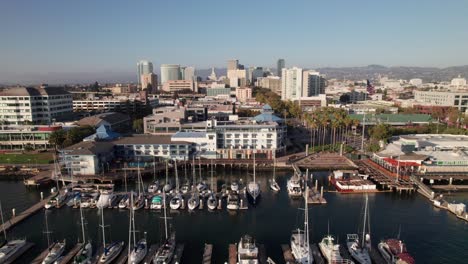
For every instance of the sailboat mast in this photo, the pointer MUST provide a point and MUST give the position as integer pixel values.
(165, 214)
(125, 178)
(254, 166)
(199, 168)
(103, 230)
(132, 214)
(167, 173)
(176, 175)
(47, 229)
(3, 223)
(130, 224)
(82, 225)
(306, 224)
(364, 225)
(138, 178)
(212, 190)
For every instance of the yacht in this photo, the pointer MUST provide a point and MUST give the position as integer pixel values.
(300, 239)
(233, 201)
(154, 187)
(110, 251)
(156, 203)
(294, 187)
(194, 201)
(85, 254)
(167, 186)
(331, 251)
(247, 251)
(105, 199)
(359, 249)
(234, 186)
(273, 184)
(253, 188)
(55, 252)
(165, 252)
(11, 247)
(394, 251)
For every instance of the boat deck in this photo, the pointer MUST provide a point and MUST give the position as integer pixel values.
(72, 253)
(287, 254)
(208, 251)
(19, 253)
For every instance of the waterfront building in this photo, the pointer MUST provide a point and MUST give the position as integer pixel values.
(21, 137)
(87, 157)
(143, 67)
(179, 85)
(150, 80)
(36, 105)
(426, 154)
(116, 121)
(280, 64)
(170, 72)
(291, 83)
(243, 94)
(439, 98)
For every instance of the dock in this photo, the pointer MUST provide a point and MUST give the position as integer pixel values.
(178, 254)
(149, 256)
(123, 256)
(385, 178)
(71, 254)
(287, 254)
(318, 259)
(19, 253)
(208, 251)
(25, 214)
(232, 254)
(315, 196)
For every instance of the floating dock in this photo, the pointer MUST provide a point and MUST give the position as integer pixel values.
(287, 254)
(19, 253)
(208, 251)
(149, 256)
(232, 254)
(71, 254)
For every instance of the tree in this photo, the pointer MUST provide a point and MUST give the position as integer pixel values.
(56, 138)
(453, 116)
(380, 132)
(138, 125)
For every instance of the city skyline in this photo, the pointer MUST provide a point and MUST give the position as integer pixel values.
(54, 41)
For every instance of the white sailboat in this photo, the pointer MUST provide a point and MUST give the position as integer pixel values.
(194, 200)
(212, 202)
(11, 247)
(167, 185)
(55, 250)
(85, 254)
(110, 251)
(273, 184)
(176, 201)
(359, 250)
(139, 202)
(165, 252)
(300, 239)
(201, 185)
(186, 185)
(253, 188)
(139, 249)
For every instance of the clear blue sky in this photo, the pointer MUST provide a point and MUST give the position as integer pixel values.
(45, 36)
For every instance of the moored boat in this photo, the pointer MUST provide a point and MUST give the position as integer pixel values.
(247, 251)
(394, 252)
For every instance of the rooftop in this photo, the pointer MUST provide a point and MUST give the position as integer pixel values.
(89, 148)
(147, 139)
(33, 91)
(110, 117)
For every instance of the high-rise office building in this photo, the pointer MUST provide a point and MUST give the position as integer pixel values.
(189, 74)
(170, 72)
(313, 83)
(149, 80)
(232, 65)
(291, 83)
(280, 64)
(143, 67)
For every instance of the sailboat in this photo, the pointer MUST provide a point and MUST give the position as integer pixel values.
(253, 188)
(234, 186)
(359, 250)
(194, 200)
(201, 186)
(331, 251)
(11, 247)
(139, 202)
(154, 187)
(186, 185)
(165, 252)
(167, 186)
(59, 199)
(85, 254)
(110, 251)
(139, 249)
(212, 202)
(300, 239)
(273, 184)
(55, 250)
(176, 201)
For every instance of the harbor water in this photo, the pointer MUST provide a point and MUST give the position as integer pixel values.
(432, 235)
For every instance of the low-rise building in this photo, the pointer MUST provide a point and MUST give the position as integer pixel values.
(116, 121)
(21, 137)
(447, 98)
(179, 85)
(243, 94)
(87, 157)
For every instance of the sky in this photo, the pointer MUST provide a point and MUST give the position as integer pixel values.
(40, 39)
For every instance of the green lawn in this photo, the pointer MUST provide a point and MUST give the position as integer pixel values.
(39, 158)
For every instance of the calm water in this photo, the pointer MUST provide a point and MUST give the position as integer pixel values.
(432, 235)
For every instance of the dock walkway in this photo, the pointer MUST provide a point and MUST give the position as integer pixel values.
(71, 254)
(318, 259)
(149, 256)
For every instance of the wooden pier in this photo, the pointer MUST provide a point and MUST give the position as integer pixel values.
(208, 251)
(71, 254)
(41, 257)
(385, 178)
(19, 253)
(287, 254)
(232, 254)
(25, 214)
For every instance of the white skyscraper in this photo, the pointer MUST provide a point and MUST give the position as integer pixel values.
(170, 72)
(143, 67)
(291, 83)
(189, 73)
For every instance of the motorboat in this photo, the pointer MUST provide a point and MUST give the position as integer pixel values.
(294, 187)
(331, 251)
(247, 251)
(233, 201)
(156, 202)
(394, 252)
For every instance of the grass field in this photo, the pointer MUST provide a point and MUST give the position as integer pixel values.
(33, 158)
